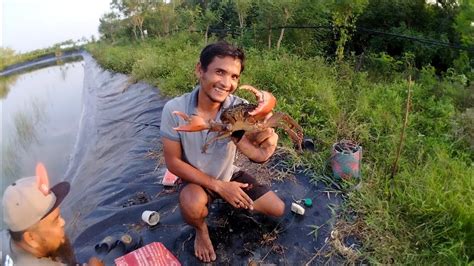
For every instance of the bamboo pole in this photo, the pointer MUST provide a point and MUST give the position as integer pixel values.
(402, 134)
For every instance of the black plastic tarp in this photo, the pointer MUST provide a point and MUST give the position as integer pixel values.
(114, 180)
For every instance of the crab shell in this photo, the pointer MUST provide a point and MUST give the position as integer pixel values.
(244, 117)
(266, 102)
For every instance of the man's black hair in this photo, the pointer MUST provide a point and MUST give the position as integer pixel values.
(221, 49)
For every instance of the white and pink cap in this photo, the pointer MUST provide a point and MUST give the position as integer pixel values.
(29, 199)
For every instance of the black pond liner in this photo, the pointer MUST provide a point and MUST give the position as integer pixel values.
(113, 182)
(42, 62)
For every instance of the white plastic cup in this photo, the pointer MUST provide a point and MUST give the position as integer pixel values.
(151, 217)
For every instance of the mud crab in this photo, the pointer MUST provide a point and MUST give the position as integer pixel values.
(244, 117)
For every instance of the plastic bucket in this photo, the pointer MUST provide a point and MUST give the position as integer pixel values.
(345, 160)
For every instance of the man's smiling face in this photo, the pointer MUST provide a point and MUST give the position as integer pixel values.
(220, 79)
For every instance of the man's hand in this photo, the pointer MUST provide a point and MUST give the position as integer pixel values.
(258, 146)
(233, 193)
(95, 262)
(263, 139)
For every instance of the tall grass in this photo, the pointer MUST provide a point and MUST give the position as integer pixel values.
(428, 215)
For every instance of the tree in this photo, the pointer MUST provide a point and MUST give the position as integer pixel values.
(267, 11)
(243, 7)
(442, 21)
(109, 26)
(345, 14)
(464, 22)
(208, 17)
(167, 16)
(187, 18)
(134, 10)
(287, 7)
(464, 25)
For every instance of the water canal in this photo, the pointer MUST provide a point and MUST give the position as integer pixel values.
(40, 113)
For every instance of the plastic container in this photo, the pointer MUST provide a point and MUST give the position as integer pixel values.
(151, 217)
(346, 159)
(296, 208)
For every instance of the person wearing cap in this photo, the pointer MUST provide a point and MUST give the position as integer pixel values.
(35, 225)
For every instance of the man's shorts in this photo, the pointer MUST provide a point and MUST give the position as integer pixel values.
(254, 189)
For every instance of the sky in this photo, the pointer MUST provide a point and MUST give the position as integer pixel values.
(27, 25)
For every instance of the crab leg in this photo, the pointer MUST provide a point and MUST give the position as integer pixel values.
(221, 135)
(266, 102)
(292, 128)
(195, 123)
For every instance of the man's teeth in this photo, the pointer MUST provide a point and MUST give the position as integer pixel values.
(220, 90)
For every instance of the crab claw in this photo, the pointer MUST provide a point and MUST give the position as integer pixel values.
(266, 102)
(195, 123)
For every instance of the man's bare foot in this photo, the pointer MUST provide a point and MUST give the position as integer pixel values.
(203, 248)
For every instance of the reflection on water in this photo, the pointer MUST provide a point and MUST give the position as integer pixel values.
(40, 116)
(26, 124)
(9, 165)
(24, 135)
(5, 84)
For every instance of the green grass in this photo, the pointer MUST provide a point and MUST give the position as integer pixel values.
(426, 215)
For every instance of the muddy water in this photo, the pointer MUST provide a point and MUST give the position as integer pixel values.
(40, 113)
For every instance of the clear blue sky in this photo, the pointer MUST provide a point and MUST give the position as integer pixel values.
(31, 24)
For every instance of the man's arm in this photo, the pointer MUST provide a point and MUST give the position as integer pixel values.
(260, 146)
(230, 191)
(172, 151)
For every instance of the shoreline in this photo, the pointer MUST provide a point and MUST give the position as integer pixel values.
(42, 61)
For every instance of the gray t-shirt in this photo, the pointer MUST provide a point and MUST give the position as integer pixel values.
(13, 255)
(218, 160)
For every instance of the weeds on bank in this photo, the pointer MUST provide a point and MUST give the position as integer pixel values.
(8, 57)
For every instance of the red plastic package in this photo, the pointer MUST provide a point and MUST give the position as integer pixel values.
(153, 254)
